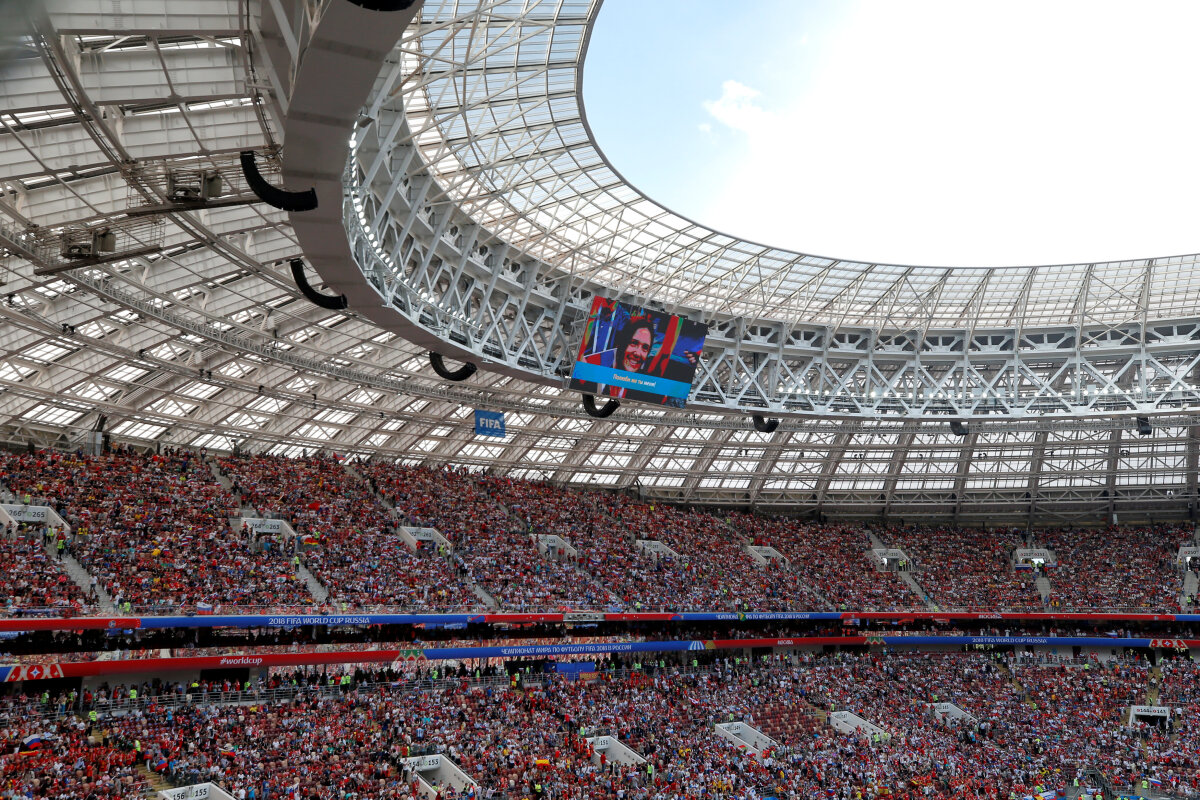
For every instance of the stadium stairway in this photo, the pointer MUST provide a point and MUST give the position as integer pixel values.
(227, 484)
(917, 589)
(317, 589)
(1044, 588)
(154, 780)
(483, 595)
(816, 592)
(906, 576)
(575, 567)
(1012, 679)
(479, 591)
(83, 579)
(220, 477)
(1154, 686)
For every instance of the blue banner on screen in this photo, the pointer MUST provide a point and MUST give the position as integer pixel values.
(638, 354)
(489, 423)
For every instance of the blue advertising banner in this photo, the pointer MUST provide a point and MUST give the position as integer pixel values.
(10, 626)
(534, 651)
(489, 423)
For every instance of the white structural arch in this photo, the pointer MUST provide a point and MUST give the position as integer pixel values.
(193, 332)
(481, 211)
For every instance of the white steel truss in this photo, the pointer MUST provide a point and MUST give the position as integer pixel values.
(479, 209)
(204, 340)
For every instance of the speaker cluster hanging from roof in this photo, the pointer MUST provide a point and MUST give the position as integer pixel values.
(273, 195)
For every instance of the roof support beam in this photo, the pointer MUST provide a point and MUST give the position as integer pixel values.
(704, 462)
(1192, 432)
(1114, 459)
(836, 452)
(649, 447)
(580, 452)
(899, 457)
(965, 456)
(766, 464)
(1035, 472)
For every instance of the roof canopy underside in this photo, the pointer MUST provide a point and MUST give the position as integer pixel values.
(205, 341)
(493, 96)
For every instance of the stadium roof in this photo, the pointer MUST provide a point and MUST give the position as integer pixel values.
(493, 93)
(200, 337)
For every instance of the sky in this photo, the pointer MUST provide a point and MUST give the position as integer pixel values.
(937, 132)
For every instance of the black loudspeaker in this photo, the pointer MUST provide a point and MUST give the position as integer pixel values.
(958, 427)
(384, 5)
(763, 425)
(332, 302)
(1143, 426)
(273, 195)
(589, 405)
(460, 374)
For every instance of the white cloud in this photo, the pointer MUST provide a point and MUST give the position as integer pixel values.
(950, 133)
(736, 108)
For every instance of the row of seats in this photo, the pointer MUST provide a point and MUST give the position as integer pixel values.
(356, 554)
(154, 529)
(1032, 728)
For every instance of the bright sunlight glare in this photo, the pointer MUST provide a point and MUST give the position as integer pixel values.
(935, 132)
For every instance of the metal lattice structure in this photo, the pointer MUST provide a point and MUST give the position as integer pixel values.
(480, 213)
(481, 210)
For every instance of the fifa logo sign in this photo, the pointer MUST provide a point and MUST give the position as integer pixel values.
(489, 423)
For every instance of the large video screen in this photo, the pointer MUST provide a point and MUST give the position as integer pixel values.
(638, 354)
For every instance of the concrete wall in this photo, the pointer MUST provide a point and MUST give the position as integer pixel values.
(548, 543)
(439, 770)
(740, 733)
(765, 555)
(414, 536)
(199, 791)
(616, 751)
(847, 722)
(36, 515)
(654, 546)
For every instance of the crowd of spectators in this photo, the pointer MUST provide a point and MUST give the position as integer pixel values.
(346, 537)
(1179, 683)
(154, 530)
(604, 550)
(490, 540)
(967, 570)
(1027, 728)
(1129, 568)
(33, 582)
(712, 568)
(65, 764)
(835, 561)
